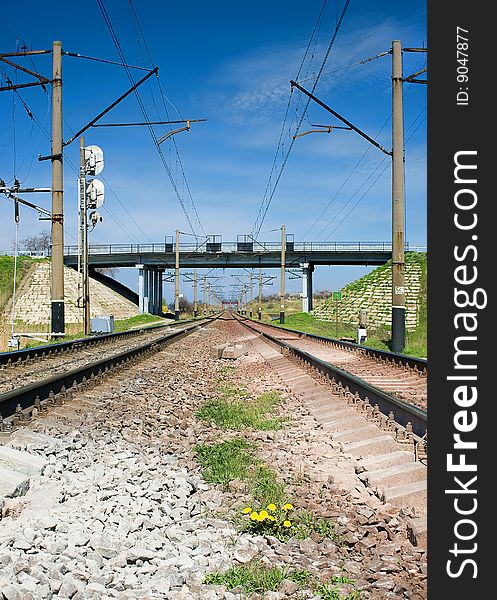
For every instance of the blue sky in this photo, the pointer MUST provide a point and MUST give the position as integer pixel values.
(229, 63)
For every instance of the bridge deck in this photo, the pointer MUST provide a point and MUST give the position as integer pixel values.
(235, 255)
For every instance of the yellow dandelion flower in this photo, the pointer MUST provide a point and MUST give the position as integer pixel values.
(271, 518)
(287, 524)
(271, 507)
(260, 517)
(264, 514)
(247, 510)
(254, 516)
(288, 506)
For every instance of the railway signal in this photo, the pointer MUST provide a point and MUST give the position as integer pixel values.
(91, 196)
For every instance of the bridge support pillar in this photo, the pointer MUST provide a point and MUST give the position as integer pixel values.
(146, 296)
(307, 270)
(149, 290)
(152, 295)
(160, 273)
(154, 292)
(141, 287)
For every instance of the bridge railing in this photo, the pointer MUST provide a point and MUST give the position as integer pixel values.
(258, 248)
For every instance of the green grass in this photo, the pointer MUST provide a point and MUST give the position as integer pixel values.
(332, 589)
(378, 338)
(264, 486)
(226, 461)
(7, 275)
(416, 341)
(119, 325)
(229, 412)
(235, 460)
(306, 524)
(254, 577)
(144, 319)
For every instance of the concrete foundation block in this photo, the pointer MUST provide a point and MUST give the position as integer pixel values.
(234, 351)
(417, 531)
(21, 462)
(12, 483)
(217, 351)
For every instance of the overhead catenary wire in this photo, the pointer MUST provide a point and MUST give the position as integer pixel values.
(103, 60)
(106, 208)
(120, 51)
(267, 199)
(282, 131)
(164, 97)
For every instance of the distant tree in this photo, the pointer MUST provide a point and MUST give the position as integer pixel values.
(185, 306)
(37, 243)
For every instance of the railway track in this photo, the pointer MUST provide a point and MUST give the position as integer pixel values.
(26, 391)
(29, 366)
(381, 385)
(17, 358)
(398, 375)
(385, 436)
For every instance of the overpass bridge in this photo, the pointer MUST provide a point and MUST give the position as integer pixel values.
(152, 260)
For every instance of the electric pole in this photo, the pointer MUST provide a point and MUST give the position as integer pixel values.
(205, 294)
(251, 294)
(282, 285)
(260, 294)
(195, 311)
(57, 300)
(398, 259)
(176, 280)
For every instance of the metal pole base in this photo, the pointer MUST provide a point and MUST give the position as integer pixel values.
(250, 313)
(58, 317)
(176, 315)
(195, 313)
(398, 329)
(260, 314)
(282, 317)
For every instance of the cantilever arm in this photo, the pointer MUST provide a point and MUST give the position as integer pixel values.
(172, 132)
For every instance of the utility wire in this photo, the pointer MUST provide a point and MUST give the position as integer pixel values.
(371, 174)
(361, 62)
(103, 60)
(290, 95)
(43, 129)
(406, 91)
(164, 98)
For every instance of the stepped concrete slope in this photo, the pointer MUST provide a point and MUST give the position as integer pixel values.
(373, 293)
(32, 304)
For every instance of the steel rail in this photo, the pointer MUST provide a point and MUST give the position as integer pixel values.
(16, 357)
(409, 361)
(403, 412)
(32, 395)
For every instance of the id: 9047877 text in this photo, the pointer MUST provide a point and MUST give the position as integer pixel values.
(462, 53)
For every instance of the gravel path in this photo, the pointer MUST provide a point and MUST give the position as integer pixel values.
(122, 512)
